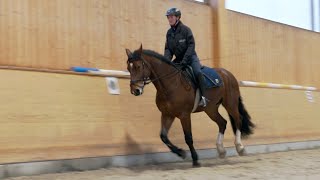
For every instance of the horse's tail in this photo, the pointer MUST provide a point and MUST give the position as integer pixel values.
(246, 124)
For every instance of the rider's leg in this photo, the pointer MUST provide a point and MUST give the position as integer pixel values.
(196, 66)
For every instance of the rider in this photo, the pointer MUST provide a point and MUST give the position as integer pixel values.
(180, 42)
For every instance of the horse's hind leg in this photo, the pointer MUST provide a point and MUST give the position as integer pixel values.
(166, 122)
(213, 113)
(235, 119)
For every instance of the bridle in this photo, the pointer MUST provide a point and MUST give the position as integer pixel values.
(146, 80)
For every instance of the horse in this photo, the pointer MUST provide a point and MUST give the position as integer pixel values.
(176, 97)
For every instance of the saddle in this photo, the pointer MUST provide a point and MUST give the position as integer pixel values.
(212, 78)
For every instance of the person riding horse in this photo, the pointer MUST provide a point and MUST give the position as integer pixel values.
(180, 42)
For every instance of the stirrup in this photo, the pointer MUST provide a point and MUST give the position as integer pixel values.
(203, 102)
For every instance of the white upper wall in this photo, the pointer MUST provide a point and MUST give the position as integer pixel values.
(316, 14)
(292, 12)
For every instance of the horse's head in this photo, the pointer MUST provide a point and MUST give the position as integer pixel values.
(139, 71)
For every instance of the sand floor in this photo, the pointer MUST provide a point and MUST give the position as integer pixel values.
(303, 164)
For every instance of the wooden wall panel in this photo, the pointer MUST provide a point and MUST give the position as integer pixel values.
(265, 51)
(47, 116)
(58, 34)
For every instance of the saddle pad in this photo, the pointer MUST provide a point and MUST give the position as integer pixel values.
(212, 78)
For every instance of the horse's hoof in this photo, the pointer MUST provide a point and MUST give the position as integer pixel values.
(222, 154)
(240, 149)
(182, 153)
(221, 151)
(196, 164)
(242, 152)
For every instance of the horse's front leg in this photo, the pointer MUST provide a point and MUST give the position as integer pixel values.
(186, 125)
(166, 122)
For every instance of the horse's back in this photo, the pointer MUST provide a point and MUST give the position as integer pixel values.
(229, 80)
(224, 73)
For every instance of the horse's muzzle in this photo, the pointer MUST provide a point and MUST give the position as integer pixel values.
(137, 89)
(137, 92)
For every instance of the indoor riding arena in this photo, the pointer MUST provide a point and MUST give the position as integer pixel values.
(67, 111)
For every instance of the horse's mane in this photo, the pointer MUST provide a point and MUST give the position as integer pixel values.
(153, 54)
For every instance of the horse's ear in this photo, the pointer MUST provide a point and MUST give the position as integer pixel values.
(129, 53)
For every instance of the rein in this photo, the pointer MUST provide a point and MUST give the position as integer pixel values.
(147, 80)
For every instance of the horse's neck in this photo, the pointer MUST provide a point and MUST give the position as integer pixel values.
(167, 74)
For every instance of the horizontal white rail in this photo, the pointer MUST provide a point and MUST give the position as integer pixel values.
(276, 86)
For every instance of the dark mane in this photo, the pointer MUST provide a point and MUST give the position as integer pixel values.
(154, 54)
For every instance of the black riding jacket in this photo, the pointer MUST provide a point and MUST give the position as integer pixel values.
(180, 42)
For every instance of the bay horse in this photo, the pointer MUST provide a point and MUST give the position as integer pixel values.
(176, 96)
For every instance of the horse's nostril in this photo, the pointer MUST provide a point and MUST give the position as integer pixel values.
(137, 91)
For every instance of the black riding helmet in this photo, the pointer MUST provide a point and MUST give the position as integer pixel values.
(174, 12)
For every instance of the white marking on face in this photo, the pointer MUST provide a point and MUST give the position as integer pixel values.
(141, 84)
(131, 65)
